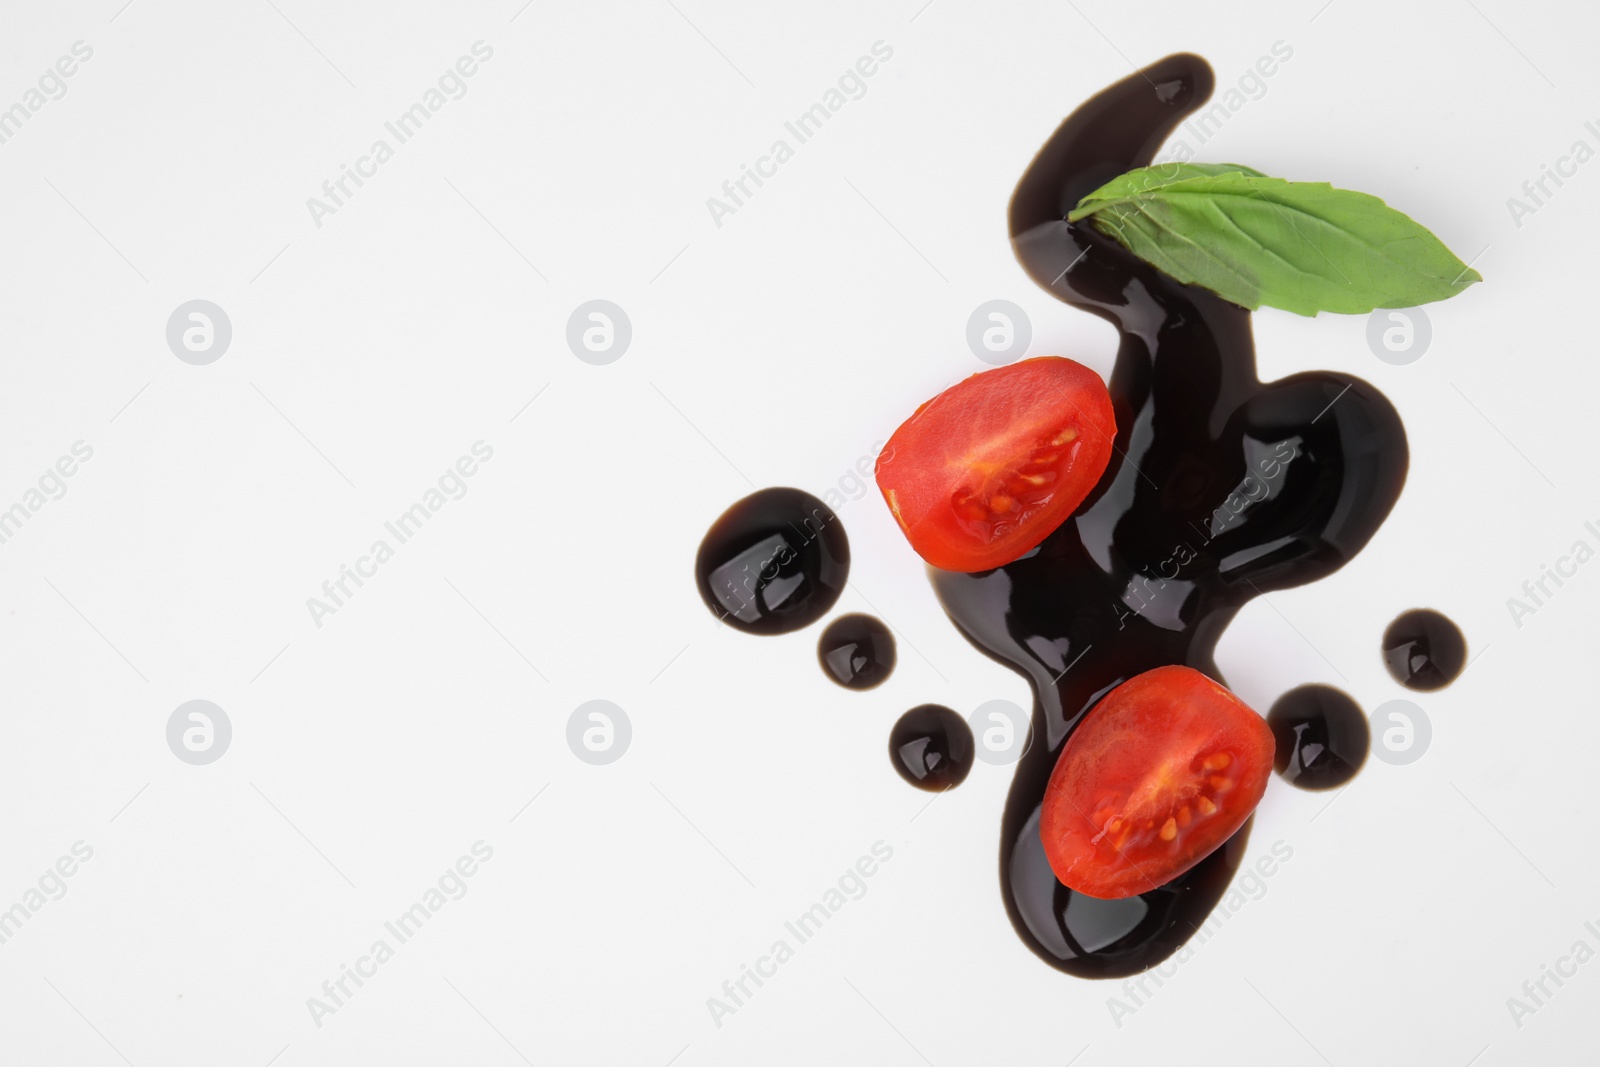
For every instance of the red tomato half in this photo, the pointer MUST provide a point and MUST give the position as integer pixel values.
(990, 467)
(1159, 773)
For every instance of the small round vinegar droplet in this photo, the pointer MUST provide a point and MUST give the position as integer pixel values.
(774, 562)
(931, 747)
(857, 651)
(1321, 736)
(1424, 650)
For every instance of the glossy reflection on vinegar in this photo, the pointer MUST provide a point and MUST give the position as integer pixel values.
(1424, 650)
(774, 562)
(857, 651)
(931, 747)
(1321, 735)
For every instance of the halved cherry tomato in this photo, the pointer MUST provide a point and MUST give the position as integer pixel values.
(990, 467)
(1159, 773)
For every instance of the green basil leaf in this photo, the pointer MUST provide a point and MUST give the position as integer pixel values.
(1301, 246)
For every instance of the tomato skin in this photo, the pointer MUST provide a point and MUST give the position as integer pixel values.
(1168, 746)
(990, 467)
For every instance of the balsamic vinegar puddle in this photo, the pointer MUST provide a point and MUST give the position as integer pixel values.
(1220, 488)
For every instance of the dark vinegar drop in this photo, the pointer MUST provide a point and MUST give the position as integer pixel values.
(1322, 737)
(774, 562)
(857, 651)
(931, 747)
(1424, 650)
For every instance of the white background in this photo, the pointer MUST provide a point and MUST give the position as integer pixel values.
(368, 354)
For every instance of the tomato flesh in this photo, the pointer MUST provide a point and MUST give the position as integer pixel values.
(990, 467)
(1160, 772)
